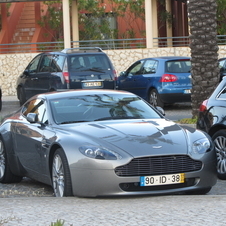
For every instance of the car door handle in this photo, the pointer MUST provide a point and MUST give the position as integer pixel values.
(34, 78)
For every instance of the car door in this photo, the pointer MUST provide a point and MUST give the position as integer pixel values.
(29, 77)
(42, 80)
(28, 138)
(130, 80)
(138, 77)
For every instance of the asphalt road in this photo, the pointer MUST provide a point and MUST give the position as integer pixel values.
(32, 188)
(178, 111)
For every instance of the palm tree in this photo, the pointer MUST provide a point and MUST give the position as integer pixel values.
(204, 50)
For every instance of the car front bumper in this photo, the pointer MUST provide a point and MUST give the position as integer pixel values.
(92, 182)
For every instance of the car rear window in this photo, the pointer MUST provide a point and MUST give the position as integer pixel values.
(222, 94)
(180, 66)
(97, 61)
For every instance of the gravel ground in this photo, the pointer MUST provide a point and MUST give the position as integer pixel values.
(26, 188)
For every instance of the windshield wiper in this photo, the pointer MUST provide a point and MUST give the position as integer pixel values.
(96, 69)
(116, 117)
(68, 122)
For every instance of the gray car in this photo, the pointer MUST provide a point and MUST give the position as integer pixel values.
(92, 143)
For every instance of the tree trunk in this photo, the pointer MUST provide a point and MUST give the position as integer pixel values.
(204, 50)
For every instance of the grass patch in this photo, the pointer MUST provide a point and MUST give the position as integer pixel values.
(187, 121)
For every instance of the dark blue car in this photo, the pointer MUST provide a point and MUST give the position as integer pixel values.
(159, 80)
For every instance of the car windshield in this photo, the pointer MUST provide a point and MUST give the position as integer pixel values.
(100, 107)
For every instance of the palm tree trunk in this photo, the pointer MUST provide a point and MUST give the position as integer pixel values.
(204, 50)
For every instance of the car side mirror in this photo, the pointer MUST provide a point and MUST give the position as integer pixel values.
(32, 117)
(26, 72)
(123, 73)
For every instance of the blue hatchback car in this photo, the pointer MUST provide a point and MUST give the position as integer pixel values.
(159, 80)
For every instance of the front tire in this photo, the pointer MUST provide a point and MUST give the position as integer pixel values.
(6, 176)
(154, 99)
(61, 177)
(219, 139)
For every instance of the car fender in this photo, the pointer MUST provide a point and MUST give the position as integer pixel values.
(13, 160)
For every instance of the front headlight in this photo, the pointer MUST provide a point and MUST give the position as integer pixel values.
(99, 153)
(201, 146)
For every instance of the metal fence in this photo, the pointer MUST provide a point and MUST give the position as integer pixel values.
(109, 44)
(56, 46)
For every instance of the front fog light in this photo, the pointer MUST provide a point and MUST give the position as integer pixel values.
(201, 146)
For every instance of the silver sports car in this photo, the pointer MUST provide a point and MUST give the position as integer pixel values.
(101, 143)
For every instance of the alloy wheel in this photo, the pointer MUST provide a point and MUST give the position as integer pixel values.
(2, 160)
(58, 176)
(220, 146)
(153, 98)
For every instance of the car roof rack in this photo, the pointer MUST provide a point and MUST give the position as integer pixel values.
(82, 50)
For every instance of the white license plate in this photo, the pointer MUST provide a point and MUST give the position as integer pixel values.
(162, 179)
(187, 91)
(89, 84)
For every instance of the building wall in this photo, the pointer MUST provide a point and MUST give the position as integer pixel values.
(12, 65)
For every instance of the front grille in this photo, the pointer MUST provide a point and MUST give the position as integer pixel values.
(158, 165)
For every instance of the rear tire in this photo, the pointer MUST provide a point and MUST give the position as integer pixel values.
(61, 177)
(219, 139)
(6, 176)
(154, 99)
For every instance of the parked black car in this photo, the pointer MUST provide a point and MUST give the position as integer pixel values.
(0, 99)
(77, 68)
(212, 119)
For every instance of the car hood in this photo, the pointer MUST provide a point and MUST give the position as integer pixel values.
(138, 138)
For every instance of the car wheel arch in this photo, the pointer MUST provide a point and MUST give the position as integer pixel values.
(51, 154)
(215, 129)
(11, 175)
(63, 173)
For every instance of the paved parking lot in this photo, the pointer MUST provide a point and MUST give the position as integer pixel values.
(30, 203)
(133, 211)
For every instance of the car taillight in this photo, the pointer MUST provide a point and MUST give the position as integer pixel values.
(66, 77)
(115, 75)
(203, 106)
(168, 78)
